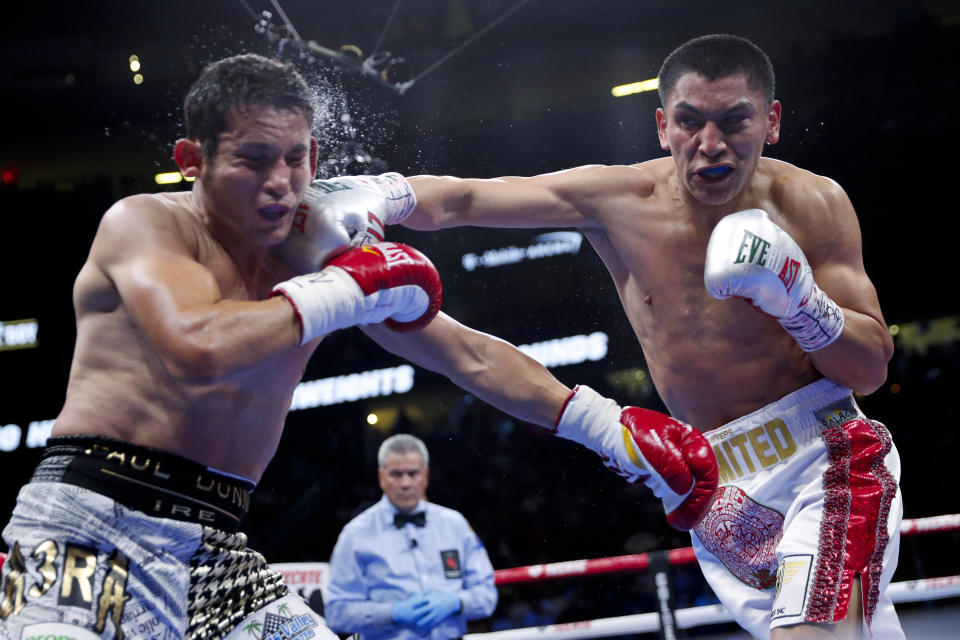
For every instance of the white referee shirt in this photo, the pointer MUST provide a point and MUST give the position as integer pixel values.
(374, 564)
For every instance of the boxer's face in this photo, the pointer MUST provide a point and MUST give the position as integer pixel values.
(715, 131)
(265, 160)
(403, 479)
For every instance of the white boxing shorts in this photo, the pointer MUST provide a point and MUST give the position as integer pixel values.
(112, 540)
(808, 500)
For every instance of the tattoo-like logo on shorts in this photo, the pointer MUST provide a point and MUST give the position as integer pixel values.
(451, 563)
(743, 535)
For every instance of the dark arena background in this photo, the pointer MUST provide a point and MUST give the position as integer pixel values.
(487, 88)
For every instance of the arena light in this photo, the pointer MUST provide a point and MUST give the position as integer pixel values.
(172, 177)
(635, 87)
(19, 334)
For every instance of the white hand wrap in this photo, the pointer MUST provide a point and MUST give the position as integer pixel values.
(325, 301)
(750, 257)
(332, 299)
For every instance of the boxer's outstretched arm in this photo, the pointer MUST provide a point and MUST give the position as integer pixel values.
(493, 370)
(577, 197)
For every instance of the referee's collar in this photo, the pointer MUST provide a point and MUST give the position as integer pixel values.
(388, 510)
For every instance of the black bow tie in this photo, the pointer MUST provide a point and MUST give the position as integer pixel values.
(419, 518)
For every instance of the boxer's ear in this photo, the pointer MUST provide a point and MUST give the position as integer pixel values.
(662, 129)
(188, 154)
(773, 122)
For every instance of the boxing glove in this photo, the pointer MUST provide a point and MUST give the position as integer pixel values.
(319, 232)
(670, 457)
(386, 282)
(750, 257)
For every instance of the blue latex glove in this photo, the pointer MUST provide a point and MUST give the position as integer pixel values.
(407, 612)
(440, 605)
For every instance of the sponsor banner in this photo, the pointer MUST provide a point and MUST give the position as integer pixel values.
(545, 245)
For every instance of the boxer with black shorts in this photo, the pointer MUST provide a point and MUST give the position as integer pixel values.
(192, 333)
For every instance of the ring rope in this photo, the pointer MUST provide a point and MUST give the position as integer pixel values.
(908, 591)
(677, 557)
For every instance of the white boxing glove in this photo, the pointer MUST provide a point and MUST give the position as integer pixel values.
(344, 212)
(389, 196)
(750, 257)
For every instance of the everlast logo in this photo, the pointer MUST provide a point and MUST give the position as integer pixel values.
(758, 448)
(395, 255)
(329, 187)
(300, 218)
(753, 249)
(789, 273)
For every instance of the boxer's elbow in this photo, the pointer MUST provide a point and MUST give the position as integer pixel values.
(196, 360)
(864, 370)
(874, 373)
(870, 380)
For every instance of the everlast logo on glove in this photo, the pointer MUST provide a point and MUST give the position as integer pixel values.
(758, 249)
(394, 254)
(451, 563)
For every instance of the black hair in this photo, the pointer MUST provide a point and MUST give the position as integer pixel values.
(718, 56)
(236, 83)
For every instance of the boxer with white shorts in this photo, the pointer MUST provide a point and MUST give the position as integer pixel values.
(808, 501)
(743, 280)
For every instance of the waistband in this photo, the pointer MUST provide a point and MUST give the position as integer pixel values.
(156, 482)
(774, 433)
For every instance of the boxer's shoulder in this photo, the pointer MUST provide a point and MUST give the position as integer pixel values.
(790, 181)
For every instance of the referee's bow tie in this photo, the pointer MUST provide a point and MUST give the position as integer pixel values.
(419, 518)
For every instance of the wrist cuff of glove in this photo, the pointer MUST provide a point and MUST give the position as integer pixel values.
(818, 323)
(594, 421)
(401, 200)
(324, 302)
(586, 417)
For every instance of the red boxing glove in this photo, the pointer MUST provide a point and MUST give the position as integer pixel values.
(670, 457)
(682, 458)
(387, 281)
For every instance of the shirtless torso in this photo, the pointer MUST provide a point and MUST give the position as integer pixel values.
(122, 386)
(711, 360)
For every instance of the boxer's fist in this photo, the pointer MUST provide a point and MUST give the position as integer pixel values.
(344, 212)
(670, 457)
(388, 196)
(750, 257)
(388, 282)
(321, 231)
(682, 470)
